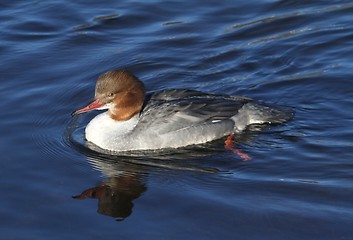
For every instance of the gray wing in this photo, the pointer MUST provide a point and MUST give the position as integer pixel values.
(176, 109)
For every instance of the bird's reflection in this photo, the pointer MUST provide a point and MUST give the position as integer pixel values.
(124, 183)
(115, 195)
(126, 178)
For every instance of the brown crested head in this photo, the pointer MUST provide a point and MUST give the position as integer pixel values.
(121, 92)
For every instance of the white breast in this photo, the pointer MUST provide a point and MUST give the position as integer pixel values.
(108, 133)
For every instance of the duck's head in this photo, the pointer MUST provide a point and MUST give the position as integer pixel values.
(119, 91)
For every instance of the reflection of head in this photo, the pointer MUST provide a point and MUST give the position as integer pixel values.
(115, 195)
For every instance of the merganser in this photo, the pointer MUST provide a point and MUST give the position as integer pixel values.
(170, 118)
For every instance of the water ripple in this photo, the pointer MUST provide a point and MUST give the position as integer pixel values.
(309, 12)
(104, 19)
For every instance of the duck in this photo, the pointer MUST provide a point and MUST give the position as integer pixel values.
(170, 118)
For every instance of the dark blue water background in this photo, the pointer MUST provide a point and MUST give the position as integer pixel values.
(299, 183)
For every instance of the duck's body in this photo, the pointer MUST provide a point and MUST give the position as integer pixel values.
(167, 119)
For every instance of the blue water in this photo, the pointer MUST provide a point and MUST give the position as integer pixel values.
(298, 184)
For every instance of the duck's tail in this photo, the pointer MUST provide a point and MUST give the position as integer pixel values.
(260, 113)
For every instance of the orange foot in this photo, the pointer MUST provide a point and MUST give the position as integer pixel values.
(228, 144)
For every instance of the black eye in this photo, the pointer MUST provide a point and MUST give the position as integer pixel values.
(110, 94)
